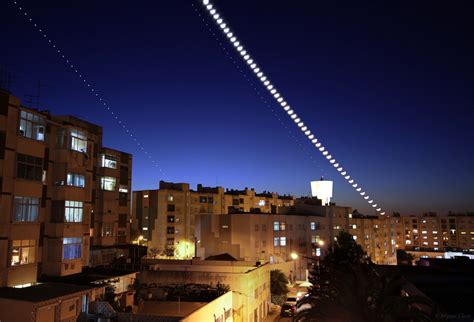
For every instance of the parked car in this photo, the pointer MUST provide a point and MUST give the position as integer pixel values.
(288, 309)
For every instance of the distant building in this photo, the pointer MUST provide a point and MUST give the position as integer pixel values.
(62, 193)
(166, 217)
(306, 229)
(431, 232)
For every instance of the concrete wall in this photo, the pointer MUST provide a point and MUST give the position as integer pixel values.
(220, 307)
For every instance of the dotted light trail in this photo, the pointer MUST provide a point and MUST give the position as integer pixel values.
(256, 69)
(75, 69)
(255, 87)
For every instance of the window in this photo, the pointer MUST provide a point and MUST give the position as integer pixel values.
(170, 219)
(108, 183)
(314, 225)
(210, 200)
(78, 141)
(76, 180)
(276, 241)
(282, 241)
(107, 229)
(108, 161)
(170, 198)
(261, 203)
(171, 207)
(170, 230)
(202, 199)
(123, 188)
(32, 126)
(169, 241)
(23, 252)
(29, 167)
(73, 211)
(315, 239)
(72, 248)
(122, 220)
(282, 225)
(276, 226)
(123, 199)
(26, 209)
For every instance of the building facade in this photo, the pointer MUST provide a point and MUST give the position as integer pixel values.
(166, 217)
(62, 192)
(304, 229)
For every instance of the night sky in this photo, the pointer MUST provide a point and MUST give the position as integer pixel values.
(386, 86)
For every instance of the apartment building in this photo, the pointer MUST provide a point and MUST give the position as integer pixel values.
(165, 217)
(306, 229)
(436, 233)
(61, 193)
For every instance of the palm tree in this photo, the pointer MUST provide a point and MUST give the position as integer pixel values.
(348, 287)
(278, 286)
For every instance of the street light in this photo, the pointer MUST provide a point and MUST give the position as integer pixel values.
(294, 256)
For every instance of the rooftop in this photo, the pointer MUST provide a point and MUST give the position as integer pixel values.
(42, 292)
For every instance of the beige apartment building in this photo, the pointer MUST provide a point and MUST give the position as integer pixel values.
(165, 217)
(306, 229)
(435, 233)
(61, 193)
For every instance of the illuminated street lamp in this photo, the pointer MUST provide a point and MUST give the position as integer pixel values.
(140, 238)
(294, 256)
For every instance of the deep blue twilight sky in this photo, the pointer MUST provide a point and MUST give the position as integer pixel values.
(386, 86)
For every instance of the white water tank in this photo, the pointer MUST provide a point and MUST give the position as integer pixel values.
(322, 189)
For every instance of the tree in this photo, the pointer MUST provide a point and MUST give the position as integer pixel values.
(154, 251)
(348, 287)
(404, 258)
(278, 286)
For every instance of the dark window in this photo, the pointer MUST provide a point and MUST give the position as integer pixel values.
(202, 199)
(170, 230)
(122, 199)
(123, 175)
(122, 220)
(169, 241)
(235, 202)
(124, 157)
(170, 219)
(29, 167)
(210, 200)
(57, 211)
(241, 200)
(171, 207)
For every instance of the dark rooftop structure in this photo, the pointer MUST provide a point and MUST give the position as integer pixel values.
(42, 292)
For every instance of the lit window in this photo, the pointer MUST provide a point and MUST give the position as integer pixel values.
(123, 188)
(435, 232)
(315, 239)
(354, 237)
(225, 226)
(108, 183)
(276, 241)
(435, 243)
(32, 126)
(76, 180)
(408, 242)
(23, 252)
(78, 141)
(276, 226)
(282, 225)
(282, 241)
(72, 248)
(354, 226)
(312, 225)
(261, 203)
(73, 211)
(108, 161)
(424, 232)
(170, 198)
(26, 209)
(145, 196)
(425, 243)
